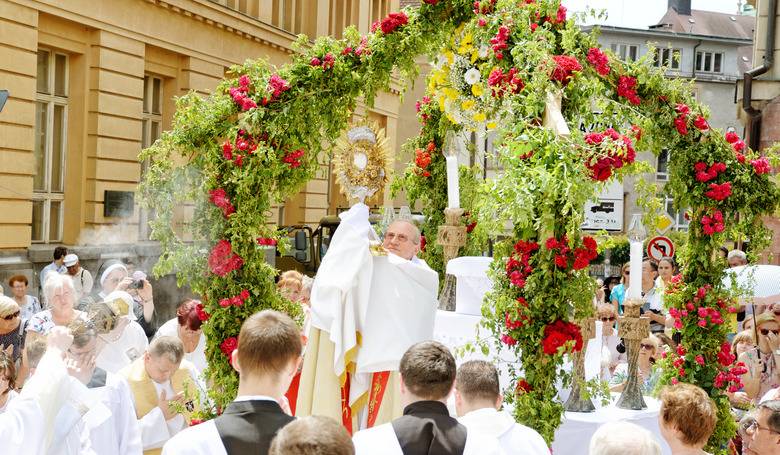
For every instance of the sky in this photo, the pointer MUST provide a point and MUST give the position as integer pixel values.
(642, 13)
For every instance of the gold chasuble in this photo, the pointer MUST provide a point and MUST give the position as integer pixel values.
(145, 395)
(367, 310)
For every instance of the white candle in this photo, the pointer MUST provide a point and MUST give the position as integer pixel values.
(453, 191)
(635, 288)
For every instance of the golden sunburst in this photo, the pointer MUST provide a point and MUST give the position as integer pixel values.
(361, 161)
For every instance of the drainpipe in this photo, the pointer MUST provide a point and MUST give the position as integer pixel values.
(754, 115)
(693, 65)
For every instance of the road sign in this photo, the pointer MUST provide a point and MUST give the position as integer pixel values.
(664, 223)
(660, 247)
(607, 211)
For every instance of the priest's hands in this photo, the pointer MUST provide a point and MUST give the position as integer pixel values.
(59, 338)
(168, 406)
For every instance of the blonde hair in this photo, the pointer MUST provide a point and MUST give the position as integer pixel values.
(690, 411)
(745, 336)
(291, 274)
(7, 306)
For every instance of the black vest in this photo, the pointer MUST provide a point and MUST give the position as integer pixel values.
(247, 427)
(426, 428)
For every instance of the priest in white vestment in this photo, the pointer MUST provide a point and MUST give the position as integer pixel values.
(159, 380)
(368, 305)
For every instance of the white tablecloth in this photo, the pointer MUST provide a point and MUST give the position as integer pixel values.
(573, 437)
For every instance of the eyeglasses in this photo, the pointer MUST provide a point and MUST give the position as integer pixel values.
(400, 237)
(755, 425)
(765, 332)
(12, 315)
(647, 346)
(609, 319)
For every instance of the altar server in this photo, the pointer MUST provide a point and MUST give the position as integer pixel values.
(113, 427)
(478, 400)
(161, 380)
(427, 375)
(267, 359)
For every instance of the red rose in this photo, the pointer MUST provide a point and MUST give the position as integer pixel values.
(228, 346)
(732, 137)
(627, 89)
(508, 340)
(681, 123)
(599, 60)
(565, 67)
(561, 14)
(701, 123)
(219, 198)
(561, 261)
(431, 2)
(523, 387)
(553, 342)
(222, 260)
(244, 294)
(761, 166)
(202, 315)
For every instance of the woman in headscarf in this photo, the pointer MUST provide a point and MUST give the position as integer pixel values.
(116, 277)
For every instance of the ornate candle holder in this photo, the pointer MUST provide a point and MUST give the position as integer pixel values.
(451, 236)
(577, 401)
(633, 329)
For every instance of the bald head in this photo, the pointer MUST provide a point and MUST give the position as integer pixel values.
(402, 239)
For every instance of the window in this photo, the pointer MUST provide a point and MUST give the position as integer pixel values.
(709, 62)
(662, 166)
(151, 126)
(668, 57)
(51, 126)
(680, 223)
(626, 52)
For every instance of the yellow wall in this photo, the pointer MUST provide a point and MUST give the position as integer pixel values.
(111, 46)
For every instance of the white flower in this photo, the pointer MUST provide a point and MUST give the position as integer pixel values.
(483, 51)
(472, 76)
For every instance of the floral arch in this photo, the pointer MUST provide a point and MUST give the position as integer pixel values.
(257, 138)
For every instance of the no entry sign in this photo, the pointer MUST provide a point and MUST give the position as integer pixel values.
(660, 247)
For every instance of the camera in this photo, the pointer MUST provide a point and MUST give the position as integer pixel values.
(136, 284)
(621, 347)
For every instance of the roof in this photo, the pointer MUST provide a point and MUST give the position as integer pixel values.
(708, 23)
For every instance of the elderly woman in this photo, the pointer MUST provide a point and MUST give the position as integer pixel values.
(649, 349)
(186, 327)
(610, 357)
(61, 297)
(116, 277)
(762, 362)
(125, 342)
(7, 380)
(28, 305)
(687, 418)
(11, 327)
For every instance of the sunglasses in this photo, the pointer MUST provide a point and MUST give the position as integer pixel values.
(610, 319)
(765, 332)
(646, 346)
(627, 273)
(11, 316)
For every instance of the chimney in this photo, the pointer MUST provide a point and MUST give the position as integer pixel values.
(683, 7)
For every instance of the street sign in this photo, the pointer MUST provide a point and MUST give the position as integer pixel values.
(664, 223)
(606, 212)
(660, 247)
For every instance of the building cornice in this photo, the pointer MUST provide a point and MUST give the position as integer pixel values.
(668, 34)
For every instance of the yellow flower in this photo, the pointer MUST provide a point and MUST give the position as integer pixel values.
(479, 117)
(474, 56)
(467, 105)
(450, 93)
(465, 48)
(450, 57)
(451, 118)
(491, 125)
(477, 90)
(442, 99)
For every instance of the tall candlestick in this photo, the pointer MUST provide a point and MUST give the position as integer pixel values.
(453, 191)
(635, 277)
(636, 237)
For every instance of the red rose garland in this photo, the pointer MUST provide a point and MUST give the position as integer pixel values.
(627, 89)
(228, 346)
(711, 224)
(558, 335)
(501, 83)
(599, 60)
(219, 198)
(499, 42)
(565, 67)
(389, 24)
(237, 300)
(611, 150)
(422, 158)
(222, 260)
(240, 94)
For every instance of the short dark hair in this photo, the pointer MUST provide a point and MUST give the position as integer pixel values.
(653, 264)
(312, 435)
(773, 406)
(477, 380)
(428, 370)
(268, 342)
(59, 252)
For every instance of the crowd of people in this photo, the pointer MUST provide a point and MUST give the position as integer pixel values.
(128, 388)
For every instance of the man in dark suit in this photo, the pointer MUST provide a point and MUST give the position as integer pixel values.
(267, 359)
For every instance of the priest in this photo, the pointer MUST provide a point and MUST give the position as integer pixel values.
(369, 303)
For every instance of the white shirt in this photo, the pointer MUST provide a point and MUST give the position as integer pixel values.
(129, 346)
(118, 431)
(11, 395)
(514, 438)
(203, 439)
(381, 440)
(196, 357)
